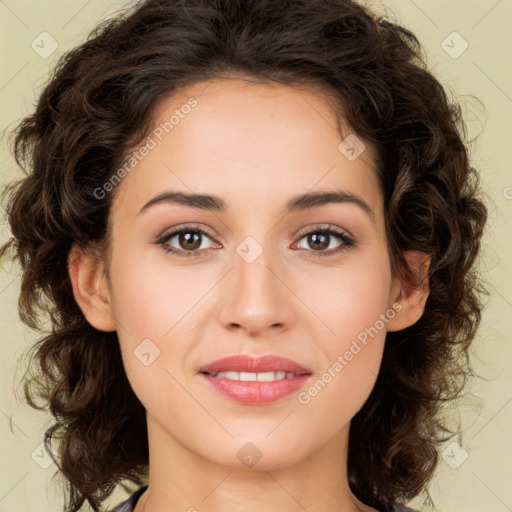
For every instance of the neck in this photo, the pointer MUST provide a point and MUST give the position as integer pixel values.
(183, 480)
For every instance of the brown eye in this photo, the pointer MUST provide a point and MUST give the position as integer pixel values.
(185, 241)
(189, 240)
(319, 240)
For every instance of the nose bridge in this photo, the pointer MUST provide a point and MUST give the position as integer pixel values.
(257, 298)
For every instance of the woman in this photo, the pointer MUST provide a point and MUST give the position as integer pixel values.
(253, 225)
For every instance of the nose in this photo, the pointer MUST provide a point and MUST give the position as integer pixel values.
(257, 298)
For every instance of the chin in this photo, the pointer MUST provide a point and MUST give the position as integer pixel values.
(258, 452)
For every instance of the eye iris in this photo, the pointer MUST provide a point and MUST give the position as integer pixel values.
(185, 240)
(313, 240)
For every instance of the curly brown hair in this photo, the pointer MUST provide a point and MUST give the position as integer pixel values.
(99, 103)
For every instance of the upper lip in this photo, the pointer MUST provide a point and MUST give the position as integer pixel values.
(245, 363)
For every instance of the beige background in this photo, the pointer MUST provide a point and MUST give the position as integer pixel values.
(483, 482)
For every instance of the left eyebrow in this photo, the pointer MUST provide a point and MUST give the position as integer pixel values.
(315, 199)
(296, 203)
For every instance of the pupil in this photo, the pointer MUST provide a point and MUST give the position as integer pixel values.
(187, 237)
(314, 237)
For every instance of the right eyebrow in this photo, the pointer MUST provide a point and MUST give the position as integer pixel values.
(202, 201)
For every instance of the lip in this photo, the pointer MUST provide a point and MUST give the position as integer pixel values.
(255, 392)
(244, 363)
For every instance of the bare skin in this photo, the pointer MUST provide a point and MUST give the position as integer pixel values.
(255, 147)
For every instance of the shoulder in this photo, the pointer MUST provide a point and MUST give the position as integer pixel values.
(402, 508)
(129, 504)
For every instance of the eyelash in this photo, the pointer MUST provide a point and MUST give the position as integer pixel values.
(348, 242)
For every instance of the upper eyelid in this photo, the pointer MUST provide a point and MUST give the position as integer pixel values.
(326, 227)
(177, 229)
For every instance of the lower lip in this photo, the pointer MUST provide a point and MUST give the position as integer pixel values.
(256, 392)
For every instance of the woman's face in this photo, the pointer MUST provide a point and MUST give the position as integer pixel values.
(254, 283)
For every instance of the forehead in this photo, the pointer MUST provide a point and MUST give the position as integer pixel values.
(245, 142)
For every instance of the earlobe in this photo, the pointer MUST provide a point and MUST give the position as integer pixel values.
(91, 288)
(412, 294)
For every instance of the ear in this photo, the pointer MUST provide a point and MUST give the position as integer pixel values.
(411, 294)
(91, 288)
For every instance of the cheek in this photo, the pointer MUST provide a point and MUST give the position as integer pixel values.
(156, 306)
(150, 296)
(349, 299)
(151, 306)
(352, 305)
(351, 361)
